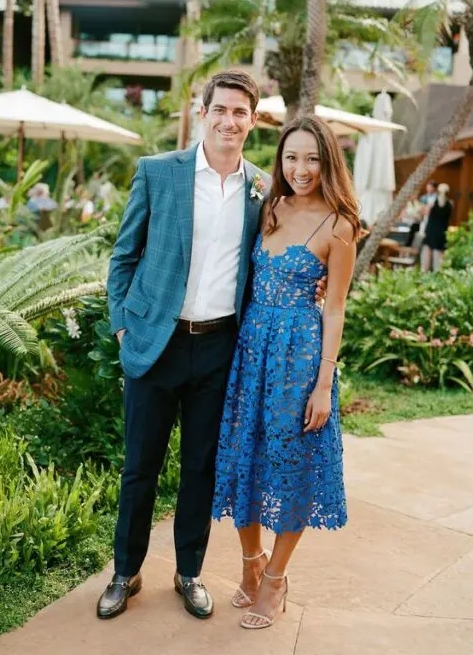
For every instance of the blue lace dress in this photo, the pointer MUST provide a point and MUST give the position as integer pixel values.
(268, 470)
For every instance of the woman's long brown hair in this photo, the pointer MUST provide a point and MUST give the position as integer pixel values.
(336, 185)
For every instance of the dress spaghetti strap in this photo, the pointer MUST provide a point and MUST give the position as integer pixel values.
(318, 228)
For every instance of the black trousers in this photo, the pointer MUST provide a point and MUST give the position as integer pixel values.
(190, 374)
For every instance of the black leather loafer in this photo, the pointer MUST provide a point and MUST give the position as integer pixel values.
(197, 599)
(114, 599)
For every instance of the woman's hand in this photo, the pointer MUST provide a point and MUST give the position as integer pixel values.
(318, 409)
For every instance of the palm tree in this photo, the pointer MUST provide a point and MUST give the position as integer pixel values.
(314, 54)
(7, 54)
(55, 34)
(38, 44)
(237, 24)
(427, 166)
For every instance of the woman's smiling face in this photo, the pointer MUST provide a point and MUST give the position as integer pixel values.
(301, 162)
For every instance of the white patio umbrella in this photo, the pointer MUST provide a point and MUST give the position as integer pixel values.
(373, 174)
(29, 116)
(272, 113)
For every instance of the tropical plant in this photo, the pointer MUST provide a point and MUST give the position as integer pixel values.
(412, 324)
(38, 280)
(427, 166)
(43, 515)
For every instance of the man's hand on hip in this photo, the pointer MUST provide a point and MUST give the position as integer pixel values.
(119, 335)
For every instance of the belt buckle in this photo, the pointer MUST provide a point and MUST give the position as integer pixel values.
(191, 329)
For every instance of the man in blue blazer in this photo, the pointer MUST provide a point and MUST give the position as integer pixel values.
(176, 291)
(176, 287)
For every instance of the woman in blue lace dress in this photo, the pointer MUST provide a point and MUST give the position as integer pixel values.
(279, 462)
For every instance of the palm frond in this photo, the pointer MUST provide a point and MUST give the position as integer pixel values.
(66, 298)
(43, 278)
(24, 269)
(92, 271)
(17, 336)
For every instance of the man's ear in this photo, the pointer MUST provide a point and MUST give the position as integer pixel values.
(254, 119)
(203, 111)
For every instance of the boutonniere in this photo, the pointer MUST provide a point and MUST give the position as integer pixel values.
(257, 187)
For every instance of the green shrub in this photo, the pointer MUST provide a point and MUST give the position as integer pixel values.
(263, 157)
(459, 254)
(44, 515)
(84, 419)
(70, 432)
(414, 324)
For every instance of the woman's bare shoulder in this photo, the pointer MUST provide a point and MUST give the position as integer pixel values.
(342, 229)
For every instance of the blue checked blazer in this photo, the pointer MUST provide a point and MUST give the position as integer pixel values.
(150, 262)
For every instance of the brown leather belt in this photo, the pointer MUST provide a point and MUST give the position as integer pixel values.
(202, 327)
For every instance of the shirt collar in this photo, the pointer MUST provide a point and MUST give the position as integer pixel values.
(201, 163)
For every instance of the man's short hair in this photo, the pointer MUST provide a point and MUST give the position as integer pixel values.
(231, 79)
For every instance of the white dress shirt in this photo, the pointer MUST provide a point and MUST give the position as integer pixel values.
(217, 233)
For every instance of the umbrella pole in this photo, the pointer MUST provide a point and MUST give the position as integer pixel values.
(62, 143)
(21, 151)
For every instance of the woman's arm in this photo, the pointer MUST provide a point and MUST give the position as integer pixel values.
(341, 262)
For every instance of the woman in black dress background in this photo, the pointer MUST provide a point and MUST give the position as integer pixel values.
(435, 240)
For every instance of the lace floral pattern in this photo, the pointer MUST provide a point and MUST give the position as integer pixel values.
(268, 470)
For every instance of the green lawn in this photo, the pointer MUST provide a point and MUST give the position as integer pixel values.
(25, 595)
(390, 401)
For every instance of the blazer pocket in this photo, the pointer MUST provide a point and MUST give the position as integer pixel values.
(136, 306)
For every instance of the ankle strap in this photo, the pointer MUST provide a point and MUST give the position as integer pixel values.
(274, 577)
(248, 559)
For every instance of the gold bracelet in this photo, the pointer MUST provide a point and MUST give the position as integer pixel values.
(327, 359)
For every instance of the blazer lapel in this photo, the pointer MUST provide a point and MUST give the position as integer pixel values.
(252, 205)
(184, 181)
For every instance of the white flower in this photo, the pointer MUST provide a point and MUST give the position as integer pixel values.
(257, 187)
(72, 327)
(69, 313)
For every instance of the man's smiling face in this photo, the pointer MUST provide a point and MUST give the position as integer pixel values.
(228, 119)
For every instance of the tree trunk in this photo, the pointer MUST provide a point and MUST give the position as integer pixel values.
(314, 52)
(7, 54)
(38, 43)
(414, 182)
(427, 166)
(285, 67)
(55, 33)
(291, 111)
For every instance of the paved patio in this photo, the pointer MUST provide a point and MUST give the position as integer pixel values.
(398, 580)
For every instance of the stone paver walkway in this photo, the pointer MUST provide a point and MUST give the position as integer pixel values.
(398, 580)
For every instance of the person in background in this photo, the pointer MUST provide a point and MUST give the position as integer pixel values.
(39, 200)
(430, 195)
(436, 230)
(87, 206)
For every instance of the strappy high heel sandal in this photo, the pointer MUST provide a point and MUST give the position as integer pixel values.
(241, 600)
(263, 620)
